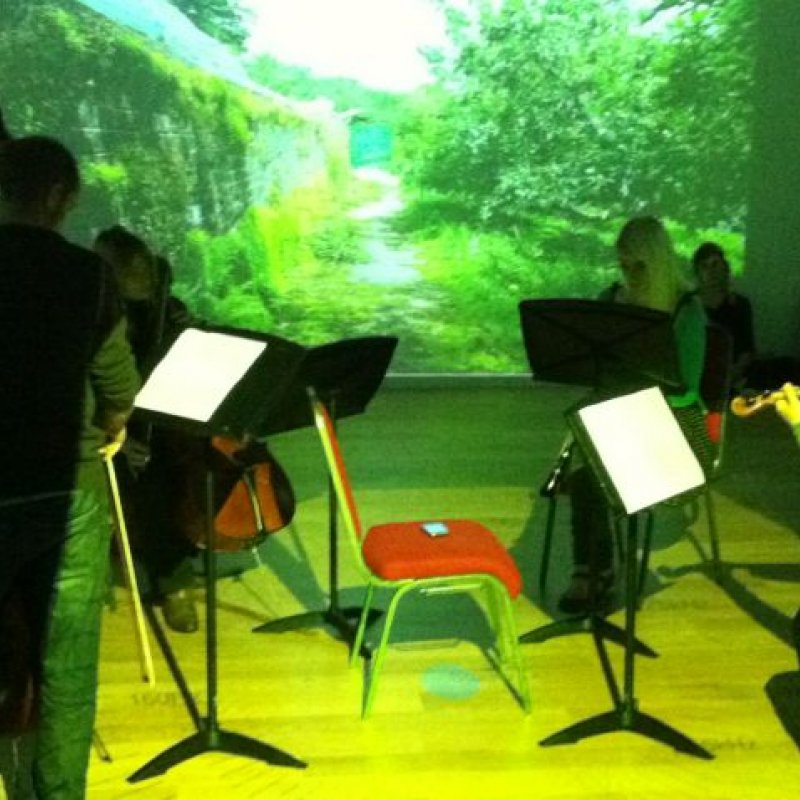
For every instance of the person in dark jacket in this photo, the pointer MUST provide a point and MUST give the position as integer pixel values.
(69, 382)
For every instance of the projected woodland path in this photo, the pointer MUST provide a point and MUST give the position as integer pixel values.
(391, 261)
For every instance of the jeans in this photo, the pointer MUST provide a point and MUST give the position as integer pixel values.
(54, 555)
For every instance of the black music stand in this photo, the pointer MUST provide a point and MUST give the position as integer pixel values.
(345, 375)
(638, 452)
(185, 392)
(608, 348)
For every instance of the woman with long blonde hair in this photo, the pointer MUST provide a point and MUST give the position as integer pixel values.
(652, 277)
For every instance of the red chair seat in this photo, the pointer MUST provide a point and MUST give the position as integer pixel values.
(402, 550)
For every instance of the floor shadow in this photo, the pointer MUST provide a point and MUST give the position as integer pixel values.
(783, 691)
(769, 618)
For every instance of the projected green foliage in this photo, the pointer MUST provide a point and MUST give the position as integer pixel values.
(556, 106)
(240, 191)
(549, 122)
(704, 98)
(346, 94)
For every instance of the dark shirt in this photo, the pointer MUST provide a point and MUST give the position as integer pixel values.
(64, 360)
(152, 330)
(735, 315)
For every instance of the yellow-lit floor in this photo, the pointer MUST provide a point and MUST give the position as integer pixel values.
(444, 725)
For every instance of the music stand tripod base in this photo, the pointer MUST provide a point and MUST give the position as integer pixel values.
(342, 621)
(632, 720)
(345, 375)
(210, 737)
(591, 623)
(209, 740)
(625, 715)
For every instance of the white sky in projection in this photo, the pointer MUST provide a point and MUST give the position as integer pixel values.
(373, 41)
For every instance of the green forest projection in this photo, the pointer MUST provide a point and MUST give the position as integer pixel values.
(320, 209)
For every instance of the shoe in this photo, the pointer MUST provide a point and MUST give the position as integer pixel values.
(180, 612)
(578, 598)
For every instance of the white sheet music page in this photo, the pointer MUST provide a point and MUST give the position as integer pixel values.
(643, 448)
(197, 374)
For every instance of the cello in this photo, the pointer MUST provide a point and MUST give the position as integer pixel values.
(252, 493)
(253, 496)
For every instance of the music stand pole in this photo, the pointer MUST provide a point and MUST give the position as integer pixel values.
(209, 736)
(342, 620)
(601, 346)
(592, 622)
(345, 375)
(626, 715)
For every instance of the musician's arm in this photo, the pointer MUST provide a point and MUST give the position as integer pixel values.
(114, 381)
(690, 336)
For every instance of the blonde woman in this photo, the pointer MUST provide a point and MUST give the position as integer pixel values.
(652, 277)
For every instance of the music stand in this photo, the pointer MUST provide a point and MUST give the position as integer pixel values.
(608, 348)
(638, 452)
(216, 381)
(345, 375)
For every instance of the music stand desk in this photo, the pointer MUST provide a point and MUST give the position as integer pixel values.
(608, 348)
(185, 391)
(641, 457)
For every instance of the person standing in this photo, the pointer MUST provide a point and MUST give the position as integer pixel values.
(69, 381)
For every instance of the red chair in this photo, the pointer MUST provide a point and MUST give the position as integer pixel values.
(403, 557)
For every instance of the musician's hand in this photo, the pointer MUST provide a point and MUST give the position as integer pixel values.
(137, 454)
(114, 444)
(788, 404)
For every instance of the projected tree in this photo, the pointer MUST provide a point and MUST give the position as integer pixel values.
(563, 106)
(704, 101)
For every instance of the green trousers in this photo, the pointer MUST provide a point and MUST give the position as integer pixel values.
(55, 554)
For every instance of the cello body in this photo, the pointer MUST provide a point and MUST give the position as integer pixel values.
(253, 497)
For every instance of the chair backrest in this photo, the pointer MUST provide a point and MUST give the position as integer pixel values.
(715, 385)
(337, 471)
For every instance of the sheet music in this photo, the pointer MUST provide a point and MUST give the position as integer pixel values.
(198, 373)
(642, 448)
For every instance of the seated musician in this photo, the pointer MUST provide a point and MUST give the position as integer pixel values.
(154, 459)
(651, 277)
(724, 306)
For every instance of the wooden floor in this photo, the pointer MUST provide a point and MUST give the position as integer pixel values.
(444, 725)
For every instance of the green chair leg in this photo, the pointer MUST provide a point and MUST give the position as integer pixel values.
(716, 557)
(374, 669)
(362, 625)
(501, 615)
(507, 629)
